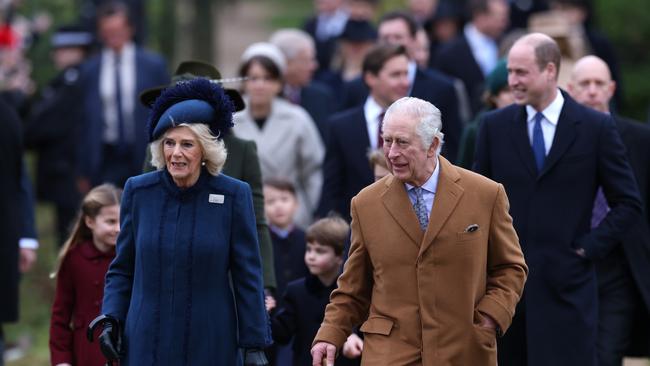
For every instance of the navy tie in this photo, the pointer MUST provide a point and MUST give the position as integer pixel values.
(539, 150)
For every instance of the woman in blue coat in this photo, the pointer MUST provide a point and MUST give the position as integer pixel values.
(185, 287)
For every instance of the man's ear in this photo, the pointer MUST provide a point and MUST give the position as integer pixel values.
(611, 88)
(431, 152)
(370, 79)
(552, 70)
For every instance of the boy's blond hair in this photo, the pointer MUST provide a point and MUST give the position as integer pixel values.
(330, 231)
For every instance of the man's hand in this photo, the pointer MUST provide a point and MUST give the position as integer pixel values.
(269, 303)
(323, 352)
(353, 347)
(27, 259)
(489, 322)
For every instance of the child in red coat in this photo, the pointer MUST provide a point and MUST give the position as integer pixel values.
(83, 262)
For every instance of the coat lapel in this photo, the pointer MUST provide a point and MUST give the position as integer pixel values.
(399, 206)
(447, 196)
(519, 136)
(565, 134)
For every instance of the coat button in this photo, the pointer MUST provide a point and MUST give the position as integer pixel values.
(97, 283)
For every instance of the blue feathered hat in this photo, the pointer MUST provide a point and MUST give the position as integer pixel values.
(194, 101)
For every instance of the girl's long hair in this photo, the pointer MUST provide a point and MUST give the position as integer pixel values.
(99, 197)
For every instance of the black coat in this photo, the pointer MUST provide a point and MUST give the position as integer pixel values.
(51, 130)
(346, 169)
(11, 149)
(429, 85)
(636, 242)
(289, 259)
(304, 306)
(552, 213)
(325, 49)
(319, 102)
(455, 58)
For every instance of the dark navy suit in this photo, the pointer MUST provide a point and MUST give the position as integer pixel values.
(346, 169)
(431, 86)
(150, 71)
(624, 275)
(319, 102)
(456, 59)
(556, 320)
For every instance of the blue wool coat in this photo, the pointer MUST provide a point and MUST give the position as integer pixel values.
(169, 283)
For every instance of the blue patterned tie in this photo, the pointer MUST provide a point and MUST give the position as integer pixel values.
(420, 208)
(538, 142)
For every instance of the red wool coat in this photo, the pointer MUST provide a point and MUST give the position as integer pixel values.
(78, 300)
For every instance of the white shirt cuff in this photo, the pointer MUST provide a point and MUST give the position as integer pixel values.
(28, 243)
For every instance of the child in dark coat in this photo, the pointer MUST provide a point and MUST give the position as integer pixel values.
(280, 207)
(305, 299)
(83, 262)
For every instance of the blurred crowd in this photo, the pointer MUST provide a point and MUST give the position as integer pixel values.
(313, 101)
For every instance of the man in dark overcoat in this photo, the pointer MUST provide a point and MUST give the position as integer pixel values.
(10, 217)
(552, 154)
(624, 274)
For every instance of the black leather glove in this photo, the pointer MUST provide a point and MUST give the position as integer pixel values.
(110, 339)
(255, 357)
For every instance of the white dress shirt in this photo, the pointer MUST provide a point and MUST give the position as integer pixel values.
(331, 25)
(372, 111)
(484, 49)
(429, 189)
(549, 123)
(107, 92)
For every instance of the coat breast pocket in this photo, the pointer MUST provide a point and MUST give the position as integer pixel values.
(468, 236)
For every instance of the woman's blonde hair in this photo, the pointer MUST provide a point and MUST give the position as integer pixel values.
(213, 150)
(99, 197)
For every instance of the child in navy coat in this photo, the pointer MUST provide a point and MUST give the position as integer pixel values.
(305, 299)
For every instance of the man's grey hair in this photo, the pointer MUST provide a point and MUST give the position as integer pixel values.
(429, 119)
(213, 149)
(291, 41)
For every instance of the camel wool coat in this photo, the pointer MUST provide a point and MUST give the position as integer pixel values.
(419, 296)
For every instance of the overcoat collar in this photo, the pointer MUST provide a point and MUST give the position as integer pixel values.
(399, 206)
(565, 134)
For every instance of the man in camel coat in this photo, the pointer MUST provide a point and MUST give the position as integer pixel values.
(435, 268)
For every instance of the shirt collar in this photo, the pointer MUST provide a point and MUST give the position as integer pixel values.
(372, 109)
(475, 37)
(282, 233)
(128, 50)
(431, 185)
(551, 113)
(413, 68)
